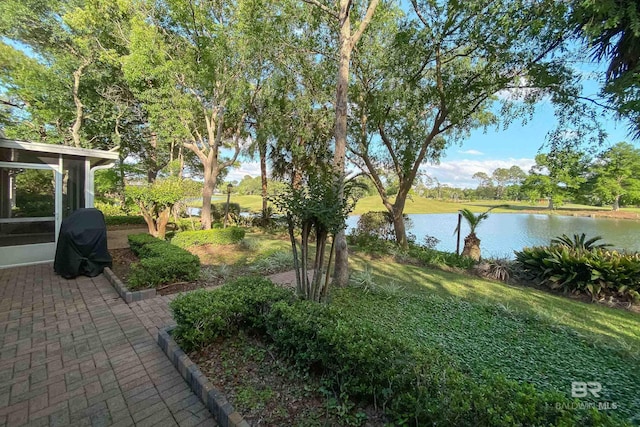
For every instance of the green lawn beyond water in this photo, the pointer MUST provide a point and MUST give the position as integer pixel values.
(420, 205)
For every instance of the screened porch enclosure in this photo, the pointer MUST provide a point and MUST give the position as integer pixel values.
(40, 185)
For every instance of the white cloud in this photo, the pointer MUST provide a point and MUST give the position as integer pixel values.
(246, 168)
(472, 152)
(459, 173)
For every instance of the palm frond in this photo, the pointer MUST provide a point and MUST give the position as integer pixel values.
(579, 242)
(474, 220)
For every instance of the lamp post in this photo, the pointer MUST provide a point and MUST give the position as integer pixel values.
(226, 209)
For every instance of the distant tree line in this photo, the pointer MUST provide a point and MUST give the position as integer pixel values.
(610, 178)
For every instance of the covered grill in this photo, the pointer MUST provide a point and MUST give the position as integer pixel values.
(82, 245)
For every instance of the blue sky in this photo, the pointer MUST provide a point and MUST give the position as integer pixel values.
(517, 145)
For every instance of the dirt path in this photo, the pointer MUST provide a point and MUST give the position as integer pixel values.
(117, 237)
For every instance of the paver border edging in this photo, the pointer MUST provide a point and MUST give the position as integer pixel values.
(124, 292)
(213, 399)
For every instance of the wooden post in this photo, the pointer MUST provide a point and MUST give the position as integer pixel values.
(226, 209)
(458, 242)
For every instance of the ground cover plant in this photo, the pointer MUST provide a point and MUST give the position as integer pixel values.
(422, 358)
(615, 327)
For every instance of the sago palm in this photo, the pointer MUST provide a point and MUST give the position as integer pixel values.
(471, 242)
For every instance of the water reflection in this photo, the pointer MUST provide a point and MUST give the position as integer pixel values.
(501, 234)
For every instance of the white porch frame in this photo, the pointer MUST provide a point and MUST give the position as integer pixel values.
(11, 256)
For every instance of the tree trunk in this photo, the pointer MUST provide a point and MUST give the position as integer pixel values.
(400, 229)
(77, 124)
(181, 159)
(152, 175)
(207, 191)
(121, 182)
(472, 247)
(148, 218)
(397, 213)
(616, 203)
(163, 220)
(341, 273)
(551, 207)
(262, 148)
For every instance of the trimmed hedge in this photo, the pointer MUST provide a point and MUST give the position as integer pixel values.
(137, 241)
(202, 315)
(364, 361)
(216, 236)
(160, 263)
(125, 220)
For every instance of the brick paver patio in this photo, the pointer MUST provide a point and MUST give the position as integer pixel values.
(73, 353)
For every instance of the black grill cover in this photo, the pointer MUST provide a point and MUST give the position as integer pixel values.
(82, 245)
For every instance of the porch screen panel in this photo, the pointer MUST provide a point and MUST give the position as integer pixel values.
(27, 206)
(73, 185)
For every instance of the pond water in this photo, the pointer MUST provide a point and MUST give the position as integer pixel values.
(501, 234)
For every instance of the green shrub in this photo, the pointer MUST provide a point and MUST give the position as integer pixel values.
(160, 249)
(425, 254)
(137, 241)
(595, 272)
(371, 244)
(579, 242)
(273, 262)
(160, 262)
(155, 271)
(109, 209)
(188, 224)
(378, 224)
(202, 315)
(125, 220)
(218, 209)
(438, 258)
(219, 236)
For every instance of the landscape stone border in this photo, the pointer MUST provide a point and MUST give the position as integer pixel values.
(124, 292)
(213, 399)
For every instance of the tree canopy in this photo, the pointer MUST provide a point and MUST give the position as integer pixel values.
(184, 87)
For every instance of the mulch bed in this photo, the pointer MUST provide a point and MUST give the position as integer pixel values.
(267, 391)
(122, 260)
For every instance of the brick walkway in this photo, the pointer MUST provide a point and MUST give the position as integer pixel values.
(73, 353)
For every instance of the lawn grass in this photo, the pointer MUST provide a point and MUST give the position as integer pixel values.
(421, 205)
(617, 327)
(522, 333)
